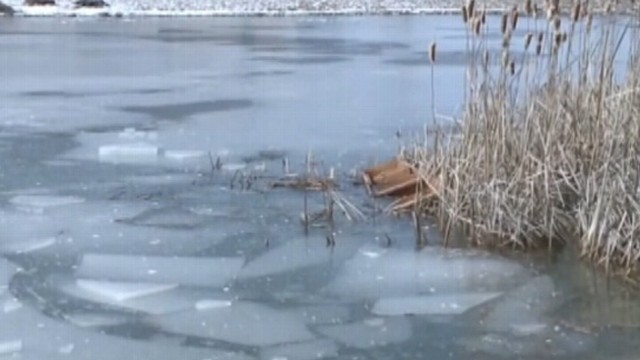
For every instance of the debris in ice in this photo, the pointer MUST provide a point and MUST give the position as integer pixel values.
(453, 304)
(373, 273)
(28, 202)
(242, 323)
(523, 306)
(198, 271)
(121, 291)
(369, 334)
(212, 304)
(129, 152)
(10, 347)
(318, 349)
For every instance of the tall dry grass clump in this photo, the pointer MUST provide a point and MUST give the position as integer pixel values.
(547, 151)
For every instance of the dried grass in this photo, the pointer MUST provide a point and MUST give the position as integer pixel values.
(548, 147)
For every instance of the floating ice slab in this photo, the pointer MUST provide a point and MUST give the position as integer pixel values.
(27, 246)
(296, 254)
(242, 323)
(44, 201)
(209, 304)
(323, 314)
(523, 306)
(10, 347)
(370, 333)
(455, 304)
(44, 338)
(319, 349)
(198, 271)
(95, 319)
(129, 152)
(155, 299)
(7, 270)
(133, 134)
(11, 304)
(374, 273)
(184, 155)
(120, 291)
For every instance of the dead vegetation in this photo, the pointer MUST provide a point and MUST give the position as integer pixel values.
(547, 151)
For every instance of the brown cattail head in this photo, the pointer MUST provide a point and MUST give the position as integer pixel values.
(465, 14)
(527, 41)
(506, 40)
(505, 21)
(512, 68)
(483, 16)
(514, 18)
(557, 23)
(540, 37)
(557, 39)
(505, 58)
(609, 7)
(477, 26)
(432, 52)
(471, 6)
(539, 49)
(575, 14)
(528, 7)
(565, 37)
(486, 58)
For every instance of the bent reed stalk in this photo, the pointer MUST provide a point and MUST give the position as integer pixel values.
(547, 150)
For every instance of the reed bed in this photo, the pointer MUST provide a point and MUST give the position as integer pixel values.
(547, 149)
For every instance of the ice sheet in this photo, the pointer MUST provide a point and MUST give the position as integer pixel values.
(45, 338)
(120, 291)
(7, 270)
(323, 314)
(242, 323)
(523, 307)
(37, 203)
(10, 347)
(454, 304)
(125, 153)
(295, 254)
(370, 333)
(374, 272)
(199, 271)
(319, 349)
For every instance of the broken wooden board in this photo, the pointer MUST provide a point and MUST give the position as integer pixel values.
(401, 180)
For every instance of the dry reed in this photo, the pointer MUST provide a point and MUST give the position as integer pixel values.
(549, 155)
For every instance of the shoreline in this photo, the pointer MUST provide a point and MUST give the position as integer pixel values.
(120, 12)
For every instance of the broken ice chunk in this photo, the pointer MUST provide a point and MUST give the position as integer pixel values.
(120, 291)
(197, 271)
(184, 155)
(129, 152)
(212, 304)
(10, 347)
(453, 304)
(12, 304)
(370, 333)
(303, 351)
(34, 202)
(242, 323)
(23, 247)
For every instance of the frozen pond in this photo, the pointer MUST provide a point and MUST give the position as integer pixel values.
(121, 238)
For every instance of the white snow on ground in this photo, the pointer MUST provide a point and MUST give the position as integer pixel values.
(242, 323)
(212, 272)
(241, 7)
